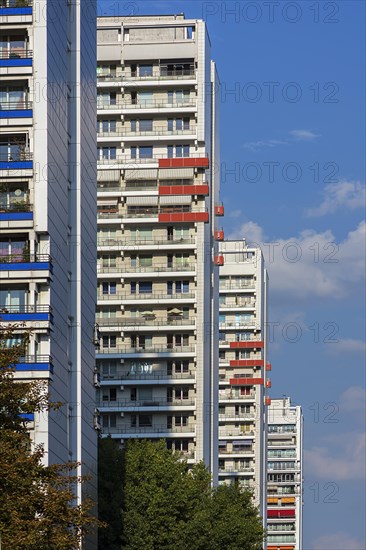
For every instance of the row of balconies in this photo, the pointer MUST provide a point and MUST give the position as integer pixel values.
(133, 323)
(127, 103)
(142, 297)
(147, 404)
(159, 270)
(157, 73)
(151, 350)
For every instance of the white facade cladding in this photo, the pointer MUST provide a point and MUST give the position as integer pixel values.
(285, 475)
(158, 144)
(243, 368)
(48, 210)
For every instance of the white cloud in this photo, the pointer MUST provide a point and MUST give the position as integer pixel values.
(256, 145)
(312, 264)
(338, 541)
(235, 213)
(353, 399)
(349, 345)
(304, 135)
(341, 195)
(342, 460)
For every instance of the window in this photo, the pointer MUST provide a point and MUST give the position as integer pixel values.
(109, 341)
(107, 153)
(145, 70)
(145, 287)
(109, 420)
(110, 395)
(14, 196)
(181, 393)
(109, 288)
(109, 261)
(145, 420)
(106, 99)
(146, 125)
(107, 126)
(146, 152)
(109, 370)
(146, 260)
(182, 287)
(13, 298)
(16, 247)
(145, 99)
(181, 232)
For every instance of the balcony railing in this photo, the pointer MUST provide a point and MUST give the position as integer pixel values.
(16, 3)
(29, 359)
(15, 105)
(149, 269)
(151, 213)
(157, 73)
(237, 306)
(237, 470)
(237, 286)
(159, 131)
(148, 104)
(236, 397)
(133, 162)
(155, 375)
(20, 206)
(245, 451)
(142, 242)
(140, 321)
(19, 156)
(24, 258)
(147, 349)
(148, 429)
(147, 296)
(16, 54)
(25, 309)
(155, 402)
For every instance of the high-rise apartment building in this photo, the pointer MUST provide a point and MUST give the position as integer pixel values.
(285, 475)
(243, 368)
(158, 191)
(48, 212)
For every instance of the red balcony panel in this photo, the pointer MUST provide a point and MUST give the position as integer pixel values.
(246, 381)
(219, 210)
(268, 367)
(268, 401)
(183, 190)
(184, 217)
(247, 344)
(268, 384)
(219, 260)
(278, 513)
(219, 235)
(247, 363)
(186, 162)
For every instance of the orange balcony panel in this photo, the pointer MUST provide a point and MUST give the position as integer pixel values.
(186, 162)
(288, 500)
(268, 384)
(246, 363)
(272, 500)
(219, 235)
(219, 210)
(247, 344)
(179, 217)
(183, 190)
(219, 260)
(268, 401)
(246, 381)
(268, 367)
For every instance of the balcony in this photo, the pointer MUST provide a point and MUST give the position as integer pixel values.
(158, 106)
(219, 235)
(249, 381)
(247, 363)
(245, 344)
(158, 431)
(25, 262)
(234, 432)
(219, 260)
(245, 304)
(122, 270)
(235, 325)
(158, 73)
(126, 134)
(155, 376)
(133, 323)
(219, 210)
(159, 298)
(22, 160)
(237, 286)
(158, 351)
(16, 109)
(26, 313)
(229, 398)
(16, 211)
(15, 7)
(236, 471)
(154, 404)
(133, 244)
(202, 189)
(236, 417)
(158, 160)
(193, 216)
(34, 363)
(15, 57)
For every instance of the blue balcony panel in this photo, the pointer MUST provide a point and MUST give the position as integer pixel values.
(25, 316)
(21, 62)
(34, 367)
(16, 165)
(27, 416)
(15, 216)
(25, 10)
(26, 266)
(17, 113)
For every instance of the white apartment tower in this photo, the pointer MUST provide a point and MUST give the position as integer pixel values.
(48, 211)
(158, 192)
(243, 368)
(285, 475)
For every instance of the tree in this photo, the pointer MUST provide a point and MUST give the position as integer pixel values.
(165, 504)
(110, 494)
(37, 511)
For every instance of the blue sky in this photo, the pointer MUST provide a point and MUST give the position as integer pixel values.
(295, 131)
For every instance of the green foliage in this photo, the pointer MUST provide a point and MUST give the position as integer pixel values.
(165, 504)
(36, 501)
